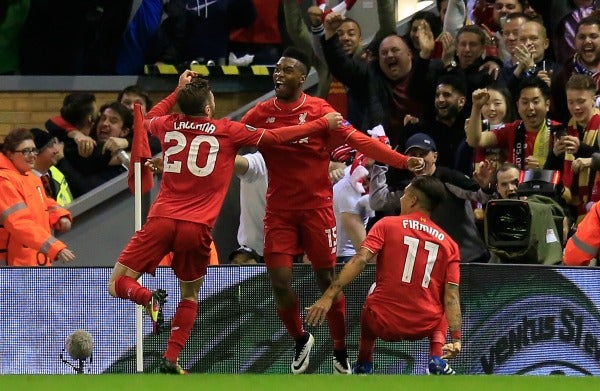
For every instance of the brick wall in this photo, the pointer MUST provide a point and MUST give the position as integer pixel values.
(33, 109)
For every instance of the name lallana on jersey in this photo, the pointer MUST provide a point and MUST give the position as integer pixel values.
(205, 127)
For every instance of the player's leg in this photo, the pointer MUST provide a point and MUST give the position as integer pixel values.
(191, 256)
(437, 365)
(366, 343)
(141, 255)
(319, 240)
(281, 243)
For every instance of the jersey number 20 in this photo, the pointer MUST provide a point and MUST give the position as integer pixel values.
(179, 138)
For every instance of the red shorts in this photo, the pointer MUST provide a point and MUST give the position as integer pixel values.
(294, 232)
(393, 328)
(189, 242)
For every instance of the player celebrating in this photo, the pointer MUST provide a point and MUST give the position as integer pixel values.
(199, 154)
(417, 277)
(299, 214)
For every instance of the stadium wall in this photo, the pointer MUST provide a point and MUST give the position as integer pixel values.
(516, 320)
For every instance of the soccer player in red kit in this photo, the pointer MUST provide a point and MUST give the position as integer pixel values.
(199, 154)
(299, 213)
(417, 276)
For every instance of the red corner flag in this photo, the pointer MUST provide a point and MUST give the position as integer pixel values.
(140, 151)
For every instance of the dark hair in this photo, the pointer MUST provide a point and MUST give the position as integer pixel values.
(194, 96)
(505, 167)
(432, 19)
(14, 138)
(593, 19)
(136, 90)
(299, 55)
(122, 110)
(457, 83)
(534, 82)
(511, 109)
(350, 20)
(472, 28)
(432, 190)
(77, 107)
(581, 82)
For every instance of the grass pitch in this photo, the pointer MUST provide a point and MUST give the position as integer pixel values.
(143, 382)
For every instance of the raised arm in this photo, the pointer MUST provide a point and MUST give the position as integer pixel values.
(475, 136)
(291, 133)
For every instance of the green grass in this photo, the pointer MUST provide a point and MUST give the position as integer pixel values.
(292, 383)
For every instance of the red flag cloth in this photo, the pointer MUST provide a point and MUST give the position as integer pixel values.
(140, 152)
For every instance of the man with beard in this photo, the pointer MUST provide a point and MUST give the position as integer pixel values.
(447, 128)
(586, 61)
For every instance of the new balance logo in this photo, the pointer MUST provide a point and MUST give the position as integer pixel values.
(301, 141)
(270, 120)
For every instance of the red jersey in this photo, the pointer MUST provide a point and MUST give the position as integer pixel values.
(415, 260)
(199, 155)
(299, 171)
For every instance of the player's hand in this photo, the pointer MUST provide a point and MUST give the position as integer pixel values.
(451, 350)
(317, 313)
(415, 164)
(156, 165)
(186, 77)
(334, 119)
(65, 255)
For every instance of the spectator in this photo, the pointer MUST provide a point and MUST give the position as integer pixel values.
(426, 301)
(530, 56)
(307, 225)
(583, 247)
(174, 223)
(510, 39)
(392, 86)
(351, 208)
(455, 215)
(50, 153)
(199, 30)
(500, 9)
(105, 160)
(27, 215)
(527, 141)
(586, 60)
(573, 149)
(131, 95)
(12, 18)
(77, 117)
(251, 169)
(430, 23)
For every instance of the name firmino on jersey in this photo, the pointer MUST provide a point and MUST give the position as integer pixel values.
(205, 127)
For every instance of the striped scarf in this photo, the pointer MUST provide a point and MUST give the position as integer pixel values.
(581, 191)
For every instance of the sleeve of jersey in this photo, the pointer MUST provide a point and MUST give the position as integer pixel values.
(18, 221)
(585, 243)
(453, 271)
(374, 148)
(292, 133)
(374, 240)
(162, 108)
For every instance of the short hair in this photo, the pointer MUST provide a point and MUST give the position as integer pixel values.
(506, 167)
(540, 25)
(350, 20)
(593, 19)
(136, 90)
(77, 107)
(457, 83)
(14, 138)
(194, 96)
(534, 82)
(431, 189)
(581, 82)
(122, 110)
(472, 28)
(299, 55)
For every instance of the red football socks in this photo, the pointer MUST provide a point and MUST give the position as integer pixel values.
(291, 320)
(129, 289)
(336, 319)
(181, 328)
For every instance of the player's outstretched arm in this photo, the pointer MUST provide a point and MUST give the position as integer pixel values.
(454, 317)
(317, 313)
(165, 106)
(291, 133)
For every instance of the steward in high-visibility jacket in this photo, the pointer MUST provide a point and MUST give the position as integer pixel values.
(27, 217)
(60, 185)
(584, 245)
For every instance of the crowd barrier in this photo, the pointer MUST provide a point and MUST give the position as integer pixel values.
(516, 320)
